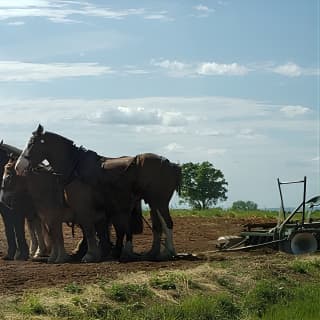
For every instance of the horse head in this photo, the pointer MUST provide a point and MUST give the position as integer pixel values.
(44, 145)
(33, 153)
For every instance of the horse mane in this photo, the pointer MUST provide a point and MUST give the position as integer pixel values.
(68, 141)
(10, 149)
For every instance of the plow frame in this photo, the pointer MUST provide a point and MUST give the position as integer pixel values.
(287, 235)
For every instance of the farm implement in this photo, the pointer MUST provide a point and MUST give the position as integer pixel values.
(296, 232)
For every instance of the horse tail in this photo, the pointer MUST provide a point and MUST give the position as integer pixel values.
(178, 173)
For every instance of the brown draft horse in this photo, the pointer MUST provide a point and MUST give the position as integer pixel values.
(146, 176)
(47, 197)
(154, 179)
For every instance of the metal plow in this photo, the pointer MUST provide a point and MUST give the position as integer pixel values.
(295, 233)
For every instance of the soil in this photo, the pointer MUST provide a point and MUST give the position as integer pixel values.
(191, 235)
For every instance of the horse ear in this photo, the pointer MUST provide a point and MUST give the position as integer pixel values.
(39, 130)
(1, 142)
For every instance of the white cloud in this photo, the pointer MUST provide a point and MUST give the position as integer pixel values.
(137, 116)
(203, 11)
(26, 71)
(24, 3)
(179, 69)
(291, 69)
(160, 130)
(162, 15)
(293, 111)
(16, 23)
(68, 11)
(210, 132)
(174, 147)
(130, 69)
(213, 68)
(174, 68)
(126, 115)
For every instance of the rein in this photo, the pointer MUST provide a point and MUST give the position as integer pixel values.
(73, 171)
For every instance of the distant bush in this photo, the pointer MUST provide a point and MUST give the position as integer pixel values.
(244, 205)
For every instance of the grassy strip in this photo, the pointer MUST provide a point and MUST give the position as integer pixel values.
(229, 213)
(219, 212)
(278, 288)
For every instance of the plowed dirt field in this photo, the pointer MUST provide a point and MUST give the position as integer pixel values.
(191, 235)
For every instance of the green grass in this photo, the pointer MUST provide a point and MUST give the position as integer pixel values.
(304, 305)
(32, 305)
(197, 307)
(235, 291)
(220, 212)
(73, 288)
(305, 267)
(129, 292)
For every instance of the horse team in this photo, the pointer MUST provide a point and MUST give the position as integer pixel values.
(80, 187)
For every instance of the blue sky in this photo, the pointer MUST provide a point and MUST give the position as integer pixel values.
(235, 83)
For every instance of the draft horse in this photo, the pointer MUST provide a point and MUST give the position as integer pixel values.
(147, 176)
(14, 211)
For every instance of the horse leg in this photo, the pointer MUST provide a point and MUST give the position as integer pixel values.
(103, 234)
(80, 250)
(167, 226)
(58, 253)
(19, 226)
(54, 247)
(154, 252)
(33, 238)
(62, 254)
(93, 252)
(122, 227)
(41, 234)
(7, 216)
(117, 249)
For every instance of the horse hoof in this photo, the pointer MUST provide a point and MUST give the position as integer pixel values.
(21, 257)
(8, 257)
(90, 258)
(75, 257)
(130, 258)
(63, 259)
(116, 252)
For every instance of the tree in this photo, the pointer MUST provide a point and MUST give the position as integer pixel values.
(202, 185)
(244, 205)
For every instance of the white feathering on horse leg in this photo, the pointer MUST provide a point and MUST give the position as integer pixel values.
(169, 242)
(156, 244)
(169, 235)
